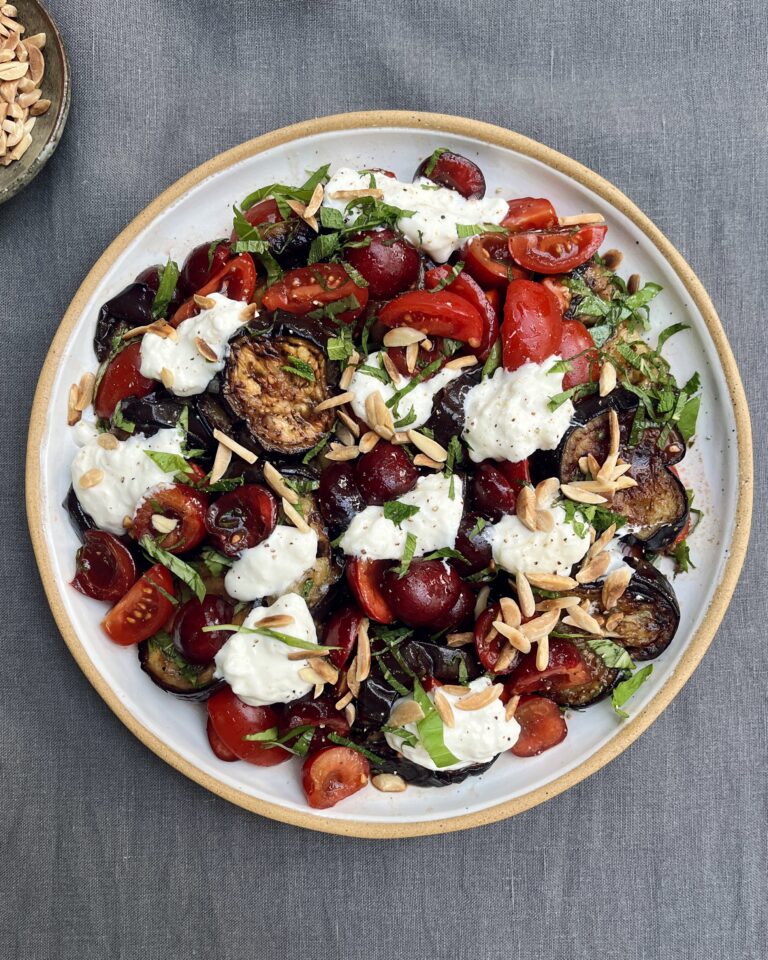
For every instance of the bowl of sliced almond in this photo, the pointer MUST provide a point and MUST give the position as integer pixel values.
(34, 93)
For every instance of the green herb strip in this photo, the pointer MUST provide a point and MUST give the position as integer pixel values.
(177, 567)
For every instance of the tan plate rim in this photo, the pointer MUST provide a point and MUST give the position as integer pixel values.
(494, 135)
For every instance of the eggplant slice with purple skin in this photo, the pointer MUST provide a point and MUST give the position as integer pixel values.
(165, 667)
(276, 404)
(132, 307)
(657, 508)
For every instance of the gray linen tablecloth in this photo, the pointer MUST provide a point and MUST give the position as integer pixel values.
(107, 852)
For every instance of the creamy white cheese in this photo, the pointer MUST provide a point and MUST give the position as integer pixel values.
(436, 524)
(419, 399)
(190, 370)
(507, 416)
(476, 737)
(615, 551)
(257, 667)
(436, 210)
(127, 474)
(517, 549)
(272, 565)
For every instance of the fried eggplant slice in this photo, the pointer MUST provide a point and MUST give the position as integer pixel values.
(276, 403)
(165, 666)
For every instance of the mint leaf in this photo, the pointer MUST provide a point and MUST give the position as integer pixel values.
(627, 688)
(408, 552)
(396, 511)
(300, 368)
(169, 276)
(611, 653)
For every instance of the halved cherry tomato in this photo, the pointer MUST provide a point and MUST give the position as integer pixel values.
(455, 172)
(575, 342)
(542, 726)
(489, 644)
(365, 579)
(146, 608)
(494, 298)
(122, 379)
(532, 324)
(105, 568)
(566, 667)
(556, 251)
(178, 502)
(440, 313)
(241, 519)
(341, 632)
(233, 720)
(333, 774)
(310, 288)
(468, 288)
(236, 280)
(529, 213)
(488, 261)
(218, 746)
(202, 265)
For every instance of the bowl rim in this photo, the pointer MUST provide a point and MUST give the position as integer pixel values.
(53, 139)
(490, 134)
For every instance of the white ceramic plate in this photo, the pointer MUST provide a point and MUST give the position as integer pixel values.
(197, 209)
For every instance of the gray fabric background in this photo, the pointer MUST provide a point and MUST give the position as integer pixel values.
(106, 852)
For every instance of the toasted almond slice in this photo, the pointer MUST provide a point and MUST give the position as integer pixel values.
(6, 56)
(594, 569)
(336, 401)
(347, 698)
(8, 10)
(551, 581)
(583, 621)
(350, 712)
(295, 517)
(394, 374)
(363, 651)
(510, 612)
(21, 53)
(308, 675)
(383, 413)
(85, 391)
(557, 603)
(525, 595)
(615, 584)
(480, 699)
(374, 192)
(613, 621)
(578, 218)
(324, 670)
(515, 637)
(402, 337)
(454, 640)
(505, 657)
(405, 712)
(578, 495)
(443, 708)
(526, 507)
(388, 783)
(25, 85)
(243, 452)
(296, 655)
(127, 523)
(542, 653)
(602, 541)
(607, 382)
(345, 435)
(429, 447)
(455, 689)
(73, 412)
(624, 483)
(8, 90)
(541, 625)
(481, 603)
(277, 482)
(371, 410)
(511, 707)
(460, 363)
(351, 676)
(422, 460)
(614, 430)
(425, 345)
(107, 441)
(411, 356)
(592, 466)
(205, 350)
(343, 454)
(605, 473)
(205, 303)
(349, 422)
(400, 438)
(36, 40)
(545, 520)
(167, 377)
(91, 478)
(221, 462)
(39, 108)
(164, 524)
(13, 70)
(368, 441)
(36, 65)
(546, 490)
(315, 200)
(301, 210)
(276, 621)
(620, 469)
(160, 328)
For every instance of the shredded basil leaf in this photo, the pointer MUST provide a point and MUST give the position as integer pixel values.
(169, 276)
(408, 553)
(627, 688)
(430, 730)
(177, 567)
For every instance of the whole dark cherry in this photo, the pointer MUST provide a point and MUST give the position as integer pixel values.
(203, 262)
(338, 495)
(424, 596)
(385, 473)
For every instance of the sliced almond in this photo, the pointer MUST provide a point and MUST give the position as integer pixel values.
(429, 447)
(337, 401)
(341, 454)
(91, 478)
(579, 495)
(614, 431)
(295, 517)
(460, 363)
(525, 595)
(411, 356)
(507, 654)
(613, 621)
(624, 483)
(8, 90)
(13, 70)
(402, 337)
(36, 65)
(351, 424)
(545, 521)
(454, 640)
(607, 382)
(602, 541)
(577, 617)
(443, 708)
(221, 463)
(542, 653)
(511, 707)
(308, 218)
(36, 40)
(368, 441)
(541, 625)
(546, 490)
(326, 671)
(308, 675)
(481, 603)
(276, 481)
(615, 584)
(526, 507)
(383, 413)
(243, 452)
(73, 413)
(205, 350)
(594, 569)
(164, 524)
(205, 303)
(363, 651)
(167, 378)
(107, 441)
(510, 612)
(275, 622)
(405, 712)
(314, 201)
(422, 460)
(557, 603)
(6, 56)
(85, 391)
(374, 192)
(346, 378)
(345, 435)
(479, 699)
(347, 698)
(513, 635)
(388, 783)
(394, 374)
(578, 218)
(40, 107)
(550, 581)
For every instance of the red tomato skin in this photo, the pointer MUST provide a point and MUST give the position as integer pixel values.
(464, 286)
(300, 291)
(103, 556)
(220, 749)
(180, 502)
(575, 339)
(542, 726)
(529, 213)
(566, 668)
(365, 579)
(236, 279)
(440, 314)
(532, 325)
(333, 774)
(232, 719)
(487, 260)
(557, 251)
(122, 379)
(143, 610)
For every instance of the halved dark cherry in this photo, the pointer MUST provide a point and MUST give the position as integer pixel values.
(218, 746)
(455, 172)
(385, 473)
(366, 579)
(233, 720)
(105, 568)
(338, 496)
(425, 594)
(566, 667)
(542, 726)
(188, 636)
(461, 613)
(341, 631)
(313, 713)
(489, 644)
(241, 519)
(473, 546)
(150, 277)
(203, 263)
(425, 357)
(178, 503)
(332, 774)
(387, 261)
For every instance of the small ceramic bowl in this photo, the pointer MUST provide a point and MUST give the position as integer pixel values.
(55, 87)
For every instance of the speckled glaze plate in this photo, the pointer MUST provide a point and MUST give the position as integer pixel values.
(197, 208)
